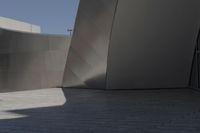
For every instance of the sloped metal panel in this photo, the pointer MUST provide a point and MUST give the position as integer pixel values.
(31, 61)
(152, 44)
(87, 61)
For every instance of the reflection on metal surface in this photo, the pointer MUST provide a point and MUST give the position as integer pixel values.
(31, 61)
(87, 59)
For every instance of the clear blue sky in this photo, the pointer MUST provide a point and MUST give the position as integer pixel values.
(54, 16)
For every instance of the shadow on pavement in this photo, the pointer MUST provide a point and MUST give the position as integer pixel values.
(98, 111)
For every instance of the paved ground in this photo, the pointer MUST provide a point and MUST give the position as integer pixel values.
(95, 111)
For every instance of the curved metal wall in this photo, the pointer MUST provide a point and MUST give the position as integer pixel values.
(31, 61)
(152, 44)
(87, 61)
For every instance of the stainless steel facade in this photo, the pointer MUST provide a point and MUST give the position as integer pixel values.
(87, 61)
(150, 44)
(31, 61)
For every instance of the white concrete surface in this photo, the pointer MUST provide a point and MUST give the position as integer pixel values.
(12, 24)
(29, 100)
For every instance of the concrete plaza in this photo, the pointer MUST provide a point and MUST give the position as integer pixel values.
(97, 111)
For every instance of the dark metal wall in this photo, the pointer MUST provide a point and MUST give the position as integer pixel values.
(152, 44)
(31, 61)
(87, 60)
(195, 72)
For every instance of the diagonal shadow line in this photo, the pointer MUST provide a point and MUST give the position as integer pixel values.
(74, 75)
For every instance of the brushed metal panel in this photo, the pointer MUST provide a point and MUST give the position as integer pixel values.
(87, 60)
(152, 44)
(31, 61)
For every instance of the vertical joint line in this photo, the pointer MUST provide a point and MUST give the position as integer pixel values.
(109, 45)
(195, 62)
(197, 58)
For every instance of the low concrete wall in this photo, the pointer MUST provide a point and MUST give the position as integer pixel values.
(31, 61)
(12, 24)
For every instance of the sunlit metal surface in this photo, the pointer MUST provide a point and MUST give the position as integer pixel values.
(87, 60)
(31, 61)
(13, 101)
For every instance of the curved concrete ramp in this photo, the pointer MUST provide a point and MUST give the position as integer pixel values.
(31, 61)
